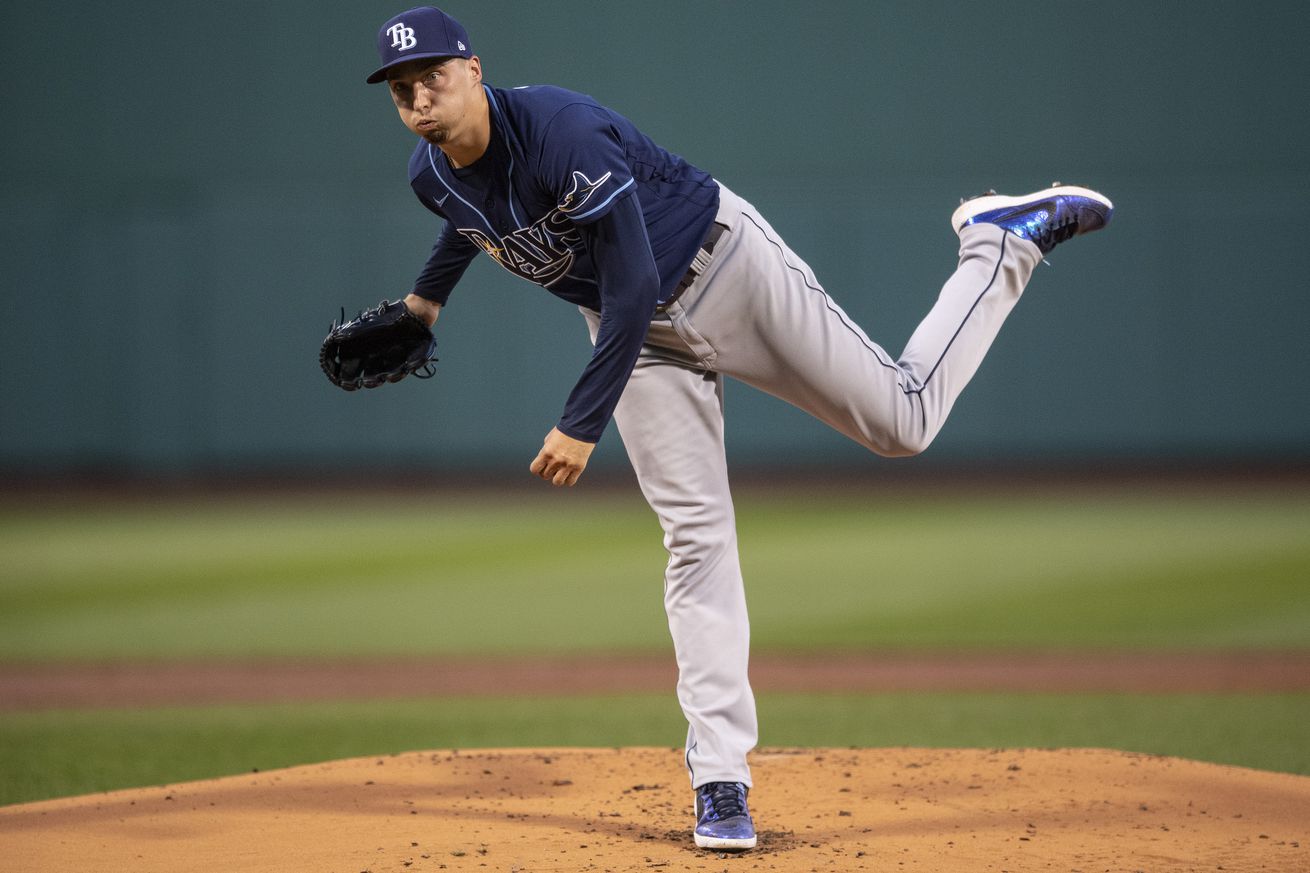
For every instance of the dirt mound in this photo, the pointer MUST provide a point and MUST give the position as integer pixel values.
(629, 809)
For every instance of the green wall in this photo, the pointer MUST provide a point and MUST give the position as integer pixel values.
(192, 190)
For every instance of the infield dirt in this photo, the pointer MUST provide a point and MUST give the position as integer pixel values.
(527, 810)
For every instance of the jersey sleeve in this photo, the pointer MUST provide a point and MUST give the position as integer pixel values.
(584, 163)
(629, 291)
(451, 255)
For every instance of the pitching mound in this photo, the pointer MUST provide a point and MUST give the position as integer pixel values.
(629, 809)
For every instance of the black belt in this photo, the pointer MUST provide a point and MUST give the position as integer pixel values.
(698, 264)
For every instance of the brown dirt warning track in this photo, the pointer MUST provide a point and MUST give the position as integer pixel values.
(46, 686)
(628, 809)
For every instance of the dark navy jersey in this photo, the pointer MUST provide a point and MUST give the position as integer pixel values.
(573, 197)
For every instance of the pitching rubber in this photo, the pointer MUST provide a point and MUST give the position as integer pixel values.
(978, 205)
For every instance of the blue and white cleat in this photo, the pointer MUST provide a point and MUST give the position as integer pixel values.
(1046, 218)
(722, 819)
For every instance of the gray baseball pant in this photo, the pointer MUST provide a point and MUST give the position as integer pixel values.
(758, 314)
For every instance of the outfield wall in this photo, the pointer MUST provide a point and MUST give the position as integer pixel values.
(192, 190)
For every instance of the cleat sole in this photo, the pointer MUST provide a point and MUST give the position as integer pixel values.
(704, 842)
(970, 209)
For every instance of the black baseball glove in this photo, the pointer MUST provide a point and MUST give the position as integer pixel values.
(385, 344)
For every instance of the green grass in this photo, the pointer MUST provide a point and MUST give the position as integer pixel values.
(378, 576)
(445, 574)
(48, 754)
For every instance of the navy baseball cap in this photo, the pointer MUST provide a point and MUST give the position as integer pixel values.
(424, 32)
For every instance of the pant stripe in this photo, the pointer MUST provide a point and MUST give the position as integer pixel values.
(996, 272)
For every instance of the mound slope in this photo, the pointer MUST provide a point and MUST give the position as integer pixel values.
(628, 809)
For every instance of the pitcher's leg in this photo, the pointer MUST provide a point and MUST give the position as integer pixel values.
(772, 325)
(947, 347)
(671, 420)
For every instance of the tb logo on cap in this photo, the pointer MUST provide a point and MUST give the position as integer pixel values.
(402, 37)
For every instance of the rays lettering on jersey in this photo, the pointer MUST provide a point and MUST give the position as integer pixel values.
(544, 251)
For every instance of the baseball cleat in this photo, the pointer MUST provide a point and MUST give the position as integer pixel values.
(722, 819)
(1046, 218)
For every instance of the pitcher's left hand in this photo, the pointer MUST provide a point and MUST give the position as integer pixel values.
(561, 459)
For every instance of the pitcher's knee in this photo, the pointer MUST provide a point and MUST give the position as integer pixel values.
(692, 561)
(899, 433)
(907, 443)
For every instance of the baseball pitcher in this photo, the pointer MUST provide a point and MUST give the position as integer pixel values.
(681, 282)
